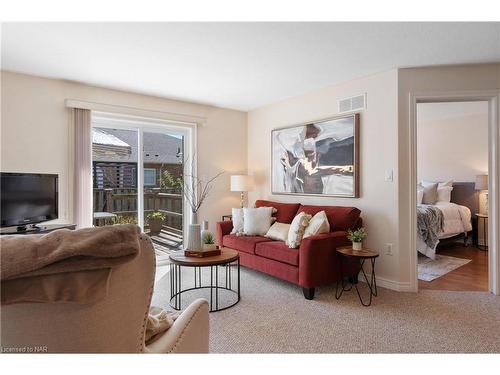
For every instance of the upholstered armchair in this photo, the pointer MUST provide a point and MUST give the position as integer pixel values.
(115, 324)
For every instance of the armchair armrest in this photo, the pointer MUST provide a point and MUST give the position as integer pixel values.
(318, 260)
(223, 228)
(188, 334)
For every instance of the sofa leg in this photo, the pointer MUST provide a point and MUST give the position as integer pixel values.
(308, 293)
(353, 279)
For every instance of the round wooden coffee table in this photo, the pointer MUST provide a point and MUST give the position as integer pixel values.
(226, 259)
(361, 256)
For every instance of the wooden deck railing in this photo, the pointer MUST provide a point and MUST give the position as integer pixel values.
(123, 202)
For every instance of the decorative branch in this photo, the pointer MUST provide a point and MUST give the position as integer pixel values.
(198, 190)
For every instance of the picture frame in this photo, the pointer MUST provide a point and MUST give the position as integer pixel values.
(317, 158)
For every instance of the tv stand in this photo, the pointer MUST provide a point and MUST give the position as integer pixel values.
(35, 229)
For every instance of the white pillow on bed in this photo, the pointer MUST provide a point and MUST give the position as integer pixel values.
(420, 194)
(444, 194)
(448, 183)
(443, 191)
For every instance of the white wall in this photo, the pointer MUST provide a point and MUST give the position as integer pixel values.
(452, 141)
(378, 152)
(36, 134)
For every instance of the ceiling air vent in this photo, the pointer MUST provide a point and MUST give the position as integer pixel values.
(354, 103)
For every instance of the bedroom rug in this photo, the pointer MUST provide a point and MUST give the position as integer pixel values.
(429, 269)
(274, 317)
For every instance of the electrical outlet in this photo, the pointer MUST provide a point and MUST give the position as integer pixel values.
(388, 249)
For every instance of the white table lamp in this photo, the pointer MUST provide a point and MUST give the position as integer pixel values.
(482, 185)
(241, 183)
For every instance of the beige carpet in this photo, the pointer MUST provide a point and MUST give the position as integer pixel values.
(274, 317)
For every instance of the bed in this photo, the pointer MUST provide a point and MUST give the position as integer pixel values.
(456, 218)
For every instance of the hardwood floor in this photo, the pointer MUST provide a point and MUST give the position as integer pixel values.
(471, 277)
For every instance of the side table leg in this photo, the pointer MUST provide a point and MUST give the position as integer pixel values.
(216, 288)
(211, 286)
(238, 278)
(337, 294)
(372, 283)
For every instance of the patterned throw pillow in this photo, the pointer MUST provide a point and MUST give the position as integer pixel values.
(318, 224)
(297, 229)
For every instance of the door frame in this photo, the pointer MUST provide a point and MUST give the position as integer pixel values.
(493, 99)
(152, 125)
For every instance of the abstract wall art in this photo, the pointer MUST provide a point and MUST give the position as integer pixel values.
(317, 158)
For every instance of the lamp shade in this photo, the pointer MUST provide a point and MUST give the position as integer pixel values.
(241, 183)
(481, 182)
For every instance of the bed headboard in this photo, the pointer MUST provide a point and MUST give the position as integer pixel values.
(465, 194)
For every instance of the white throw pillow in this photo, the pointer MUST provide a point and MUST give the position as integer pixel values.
(278, 231)
(297, 229)
(237, 221)
(257, 221)
(318, 224)
(444, 194)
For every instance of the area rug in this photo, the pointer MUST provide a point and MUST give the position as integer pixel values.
(429, 269)
(274, 317)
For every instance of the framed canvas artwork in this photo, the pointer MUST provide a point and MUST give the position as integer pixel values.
(318, 158)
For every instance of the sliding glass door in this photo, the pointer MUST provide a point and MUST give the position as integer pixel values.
(138, 177)
(162, 188)
(114, 168)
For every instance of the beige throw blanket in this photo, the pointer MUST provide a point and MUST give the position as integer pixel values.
(64, 265)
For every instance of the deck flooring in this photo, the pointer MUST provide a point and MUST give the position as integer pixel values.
(166, 242)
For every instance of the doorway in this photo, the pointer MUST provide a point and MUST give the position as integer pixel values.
(138, 177)
(452, 214)
(492, 97)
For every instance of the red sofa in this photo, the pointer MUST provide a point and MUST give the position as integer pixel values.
(314, 264)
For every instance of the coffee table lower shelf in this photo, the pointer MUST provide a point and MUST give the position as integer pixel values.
(225, 262)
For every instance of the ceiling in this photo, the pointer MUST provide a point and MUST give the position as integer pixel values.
(237, 65)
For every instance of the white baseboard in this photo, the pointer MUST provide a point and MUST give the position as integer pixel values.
(390, 284)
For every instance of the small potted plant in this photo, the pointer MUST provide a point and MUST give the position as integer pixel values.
(357, 236)
(209, 242)
(155, 222)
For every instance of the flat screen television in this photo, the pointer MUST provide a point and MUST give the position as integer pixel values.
(28, 198)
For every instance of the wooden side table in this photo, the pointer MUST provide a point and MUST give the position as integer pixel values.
(361, 256)
(485, 231)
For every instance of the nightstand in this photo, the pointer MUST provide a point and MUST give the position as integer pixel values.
(484, 217)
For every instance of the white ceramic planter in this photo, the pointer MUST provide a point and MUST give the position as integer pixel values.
(194, 237)
(357, 246)
(208, 247)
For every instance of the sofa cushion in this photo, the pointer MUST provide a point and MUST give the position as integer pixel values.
(285, 211)
(243, 243)
(339, 217)
(278, 250)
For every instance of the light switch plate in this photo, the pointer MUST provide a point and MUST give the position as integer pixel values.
(389, 175)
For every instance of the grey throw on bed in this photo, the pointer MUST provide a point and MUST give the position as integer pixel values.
(430, 222)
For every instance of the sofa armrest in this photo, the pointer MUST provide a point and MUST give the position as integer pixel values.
(318, 260)
(222, 228)
(188, 334)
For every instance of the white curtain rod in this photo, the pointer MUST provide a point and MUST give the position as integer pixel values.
(120, 109)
